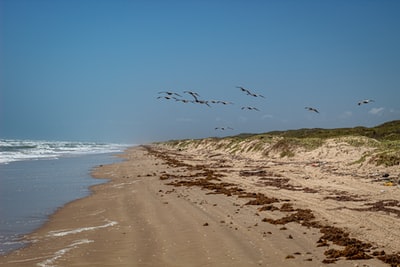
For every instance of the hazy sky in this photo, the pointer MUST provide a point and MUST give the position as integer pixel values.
(91, 70)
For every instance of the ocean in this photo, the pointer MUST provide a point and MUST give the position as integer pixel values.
(38, 177)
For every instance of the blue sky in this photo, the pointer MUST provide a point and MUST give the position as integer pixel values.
(91, 70)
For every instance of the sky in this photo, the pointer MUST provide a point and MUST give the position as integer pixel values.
(92, 70)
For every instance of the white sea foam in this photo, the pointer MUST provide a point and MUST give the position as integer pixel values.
(121, 185)
(50, 262)
(79, 230)
(17, 150)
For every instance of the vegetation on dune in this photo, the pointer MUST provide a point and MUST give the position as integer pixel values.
(386, 131)
(387, 158)
(384, 138)
(388, 153)
(288, 145)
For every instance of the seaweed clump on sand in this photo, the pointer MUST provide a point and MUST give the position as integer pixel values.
(304, 217)
(383, 205)
(259, 199)
(283, 183)
(392, 259)
(353, 249)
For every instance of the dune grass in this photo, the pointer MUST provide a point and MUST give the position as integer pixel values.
(384, 138)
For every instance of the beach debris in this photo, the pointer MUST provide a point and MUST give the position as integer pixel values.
(389, 183)
(365, 101)
(312, 109)
(388, 180)
(318, 163)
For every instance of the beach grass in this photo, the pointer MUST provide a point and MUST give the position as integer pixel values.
(384, 140)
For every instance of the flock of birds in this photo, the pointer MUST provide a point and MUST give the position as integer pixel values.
(168, 95)
(196, 98)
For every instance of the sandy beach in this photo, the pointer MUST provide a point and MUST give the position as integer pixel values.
(203, 206)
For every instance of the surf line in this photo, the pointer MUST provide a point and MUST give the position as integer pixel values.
(79, 230)
(50, 262)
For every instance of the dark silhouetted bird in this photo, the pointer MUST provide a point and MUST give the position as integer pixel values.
(194, 94)
(166, 97)
(169, 93)
(250, 108)
(223, 128)
(312, 109)
(365, 101)
(249, 93)
(220, 102)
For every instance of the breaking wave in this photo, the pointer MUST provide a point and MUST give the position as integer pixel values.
(17, 150)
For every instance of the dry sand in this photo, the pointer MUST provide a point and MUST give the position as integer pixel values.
(204, 207)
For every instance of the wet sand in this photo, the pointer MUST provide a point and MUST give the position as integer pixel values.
(168, 207)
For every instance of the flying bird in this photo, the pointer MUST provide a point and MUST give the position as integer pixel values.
(365, 101)
(249, 93)
(166, 97)
(194, 94)
(243, 89)
(169, 93)
(184, 100)
(223, 128)
(312, 109)
(220, 102)
(205, 102)
(250, 108)
(256, 95)
(196, 98)
(225, 102)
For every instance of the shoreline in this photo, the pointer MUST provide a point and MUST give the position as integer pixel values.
(165, 207)
(32, 190)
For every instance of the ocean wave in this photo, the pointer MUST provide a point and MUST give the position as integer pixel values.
(17, 150)
(58, 254)
(78, 230)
